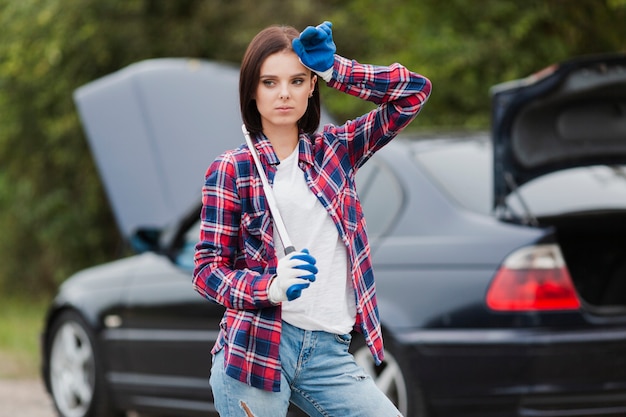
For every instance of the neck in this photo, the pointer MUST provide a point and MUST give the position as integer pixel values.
(283, 140)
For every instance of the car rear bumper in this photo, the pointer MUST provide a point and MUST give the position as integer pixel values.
(521, 372)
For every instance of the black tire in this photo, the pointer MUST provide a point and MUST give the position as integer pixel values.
(75, 373)
(391, 376)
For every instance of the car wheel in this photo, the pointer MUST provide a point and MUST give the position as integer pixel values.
(74, 372)
(391, 377)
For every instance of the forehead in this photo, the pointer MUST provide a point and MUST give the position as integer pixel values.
(284, 63)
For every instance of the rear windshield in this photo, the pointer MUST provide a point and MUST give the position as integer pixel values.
(464, 170)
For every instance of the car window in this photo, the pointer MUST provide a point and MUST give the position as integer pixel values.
(185, 255)
(463, 170)
(381, 196)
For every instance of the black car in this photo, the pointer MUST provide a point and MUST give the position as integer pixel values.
(500, 258)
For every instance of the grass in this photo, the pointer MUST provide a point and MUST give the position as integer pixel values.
(21, 322)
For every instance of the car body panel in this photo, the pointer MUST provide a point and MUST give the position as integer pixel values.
(522, 372)
(155, 331)
(417, 249)
(568, 115)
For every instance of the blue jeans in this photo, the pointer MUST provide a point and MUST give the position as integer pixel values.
(319, 376)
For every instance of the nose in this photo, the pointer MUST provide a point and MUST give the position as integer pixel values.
(284, 92)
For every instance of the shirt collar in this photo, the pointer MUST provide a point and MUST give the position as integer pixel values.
(306, 148)
(264, 148)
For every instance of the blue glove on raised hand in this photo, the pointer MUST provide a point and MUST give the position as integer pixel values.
(294, 273)
(316, 49)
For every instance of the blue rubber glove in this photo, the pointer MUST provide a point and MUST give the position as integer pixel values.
(316, 49)
(294, 273)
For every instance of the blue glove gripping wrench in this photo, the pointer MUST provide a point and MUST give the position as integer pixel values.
(295, 290)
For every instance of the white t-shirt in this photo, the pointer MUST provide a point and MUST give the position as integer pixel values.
(328, 304)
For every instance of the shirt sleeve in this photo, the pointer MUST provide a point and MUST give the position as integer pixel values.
(398, 93)
(215, 275)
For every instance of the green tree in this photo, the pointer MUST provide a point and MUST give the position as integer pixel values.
(472, 45)
(54, 217)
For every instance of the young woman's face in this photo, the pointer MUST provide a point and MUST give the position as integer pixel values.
(285, 86)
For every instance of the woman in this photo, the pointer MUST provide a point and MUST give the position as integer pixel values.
(286, 330)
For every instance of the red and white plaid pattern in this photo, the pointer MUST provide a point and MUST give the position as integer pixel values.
(235, 258)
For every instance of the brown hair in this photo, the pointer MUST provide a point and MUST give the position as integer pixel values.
(268, 42)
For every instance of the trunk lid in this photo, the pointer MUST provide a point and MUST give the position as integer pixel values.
(572, 114)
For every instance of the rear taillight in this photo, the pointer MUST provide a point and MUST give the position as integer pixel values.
(533, 278)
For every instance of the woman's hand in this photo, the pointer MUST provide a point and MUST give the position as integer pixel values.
(294, 273)
(316, 49)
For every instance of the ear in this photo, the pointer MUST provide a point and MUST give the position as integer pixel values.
(313, 81)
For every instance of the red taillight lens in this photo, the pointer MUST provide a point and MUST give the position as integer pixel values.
(533, 278)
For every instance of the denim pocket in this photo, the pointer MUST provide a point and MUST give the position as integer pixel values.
(344, 339)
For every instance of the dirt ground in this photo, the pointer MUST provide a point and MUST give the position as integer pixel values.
(24, 397)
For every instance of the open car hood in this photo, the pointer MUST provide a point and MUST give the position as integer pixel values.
(153, 128)
(569, 115)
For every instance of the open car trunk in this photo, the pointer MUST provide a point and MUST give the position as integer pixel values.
(594, 248)
(569, 121)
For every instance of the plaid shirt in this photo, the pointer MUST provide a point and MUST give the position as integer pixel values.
(235, 258)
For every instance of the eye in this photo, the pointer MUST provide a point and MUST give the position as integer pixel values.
(298, 81)
(268, 83)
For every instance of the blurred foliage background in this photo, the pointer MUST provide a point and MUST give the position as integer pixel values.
(54, 216)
